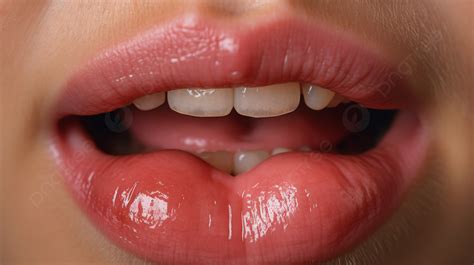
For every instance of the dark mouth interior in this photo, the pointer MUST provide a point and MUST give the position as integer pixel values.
(366, 128)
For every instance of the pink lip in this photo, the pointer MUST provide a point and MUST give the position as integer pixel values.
(171, 207)
(195, 53)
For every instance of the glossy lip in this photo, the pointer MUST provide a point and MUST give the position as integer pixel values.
(171, 207)
(193, 52)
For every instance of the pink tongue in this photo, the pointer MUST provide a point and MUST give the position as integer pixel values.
(165, 129)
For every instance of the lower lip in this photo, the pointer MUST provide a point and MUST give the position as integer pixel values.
(171, 207)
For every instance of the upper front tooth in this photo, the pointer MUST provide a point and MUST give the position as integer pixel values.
(150, 102)
(267, 101)
(202, 102)
(316, 97)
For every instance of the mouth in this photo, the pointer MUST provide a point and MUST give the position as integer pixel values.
(204, 141)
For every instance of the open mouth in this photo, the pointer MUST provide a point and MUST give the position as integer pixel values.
(202, 122)
(201, 142)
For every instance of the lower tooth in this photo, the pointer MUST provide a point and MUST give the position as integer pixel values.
(242, 161)
(221, 160)
(280, 150)
(246, 160)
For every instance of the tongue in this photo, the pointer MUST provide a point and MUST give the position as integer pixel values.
(163, 128)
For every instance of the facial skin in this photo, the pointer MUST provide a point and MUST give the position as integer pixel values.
(42, 42)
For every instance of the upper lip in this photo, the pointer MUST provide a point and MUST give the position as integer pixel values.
(352, 194)
(193, 52)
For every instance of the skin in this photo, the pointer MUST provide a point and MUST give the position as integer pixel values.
(42, 42)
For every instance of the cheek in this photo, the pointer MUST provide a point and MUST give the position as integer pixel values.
(454, 141)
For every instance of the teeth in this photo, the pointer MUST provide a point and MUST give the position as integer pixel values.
(315, 97)
(150, 102)
(257, 102)
(280, 150)
(242, 161)
(267, 101)
(201, 102)
(246, 160)
(221, 160)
